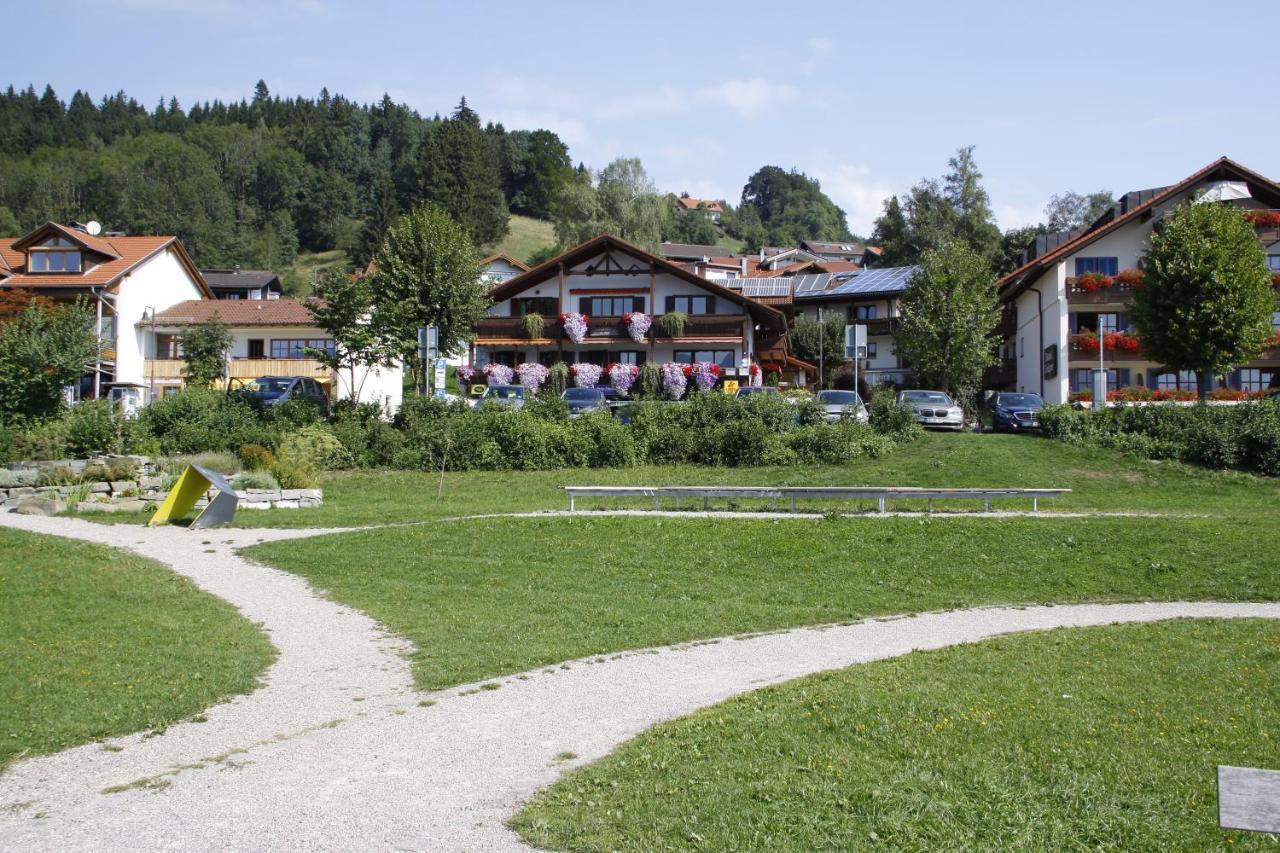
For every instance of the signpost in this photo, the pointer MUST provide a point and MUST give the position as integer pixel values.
(438, 380)
(428, 349)
(855, 347)
(731, 387)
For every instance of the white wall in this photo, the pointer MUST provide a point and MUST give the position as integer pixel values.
(159, 283)
(1047, 313)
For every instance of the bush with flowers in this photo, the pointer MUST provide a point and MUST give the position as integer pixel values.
(1122, 342)
(755, 377)
(1091, 282)
(674, 379)
(586, 374)
(1131, 277)
(637, 323)
(705, 375)
(498, 374)
(1263, 218)
(465, 374)
(623, 376)
(575, 325)
(532, 374)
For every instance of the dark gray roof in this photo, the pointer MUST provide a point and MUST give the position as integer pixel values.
(236, 279)
(847, 247)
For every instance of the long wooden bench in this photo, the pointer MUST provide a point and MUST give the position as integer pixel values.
(881, 494)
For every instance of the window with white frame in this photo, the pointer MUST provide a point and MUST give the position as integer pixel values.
(1183, 380)
(294, 347)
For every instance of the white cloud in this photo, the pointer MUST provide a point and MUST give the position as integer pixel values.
(858, 193)
(748, 98)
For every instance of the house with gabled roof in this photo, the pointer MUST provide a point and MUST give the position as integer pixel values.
(710, 208)
(499, 267)
(1069, 287)
(606, 278)
(120, 277)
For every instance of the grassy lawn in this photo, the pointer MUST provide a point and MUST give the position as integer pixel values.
(1101, 480)
(97, 642)
(309, 266)
(1092, 739)
(526, 236)
(482, 598)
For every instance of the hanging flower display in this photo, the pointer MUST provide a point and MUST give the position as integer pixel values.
(623, 376)
(575, 325)
(586, 375)
(674, 379)
(498, 374)
(705, 375)
(637, 323)
(1263, 218)
(1091, 282)
(465, 374)
(1131, 277)
(532, 375)
(756, 377)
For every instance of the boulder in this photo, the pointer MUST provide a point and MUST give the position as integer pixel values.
(118, 486)
(40, 506)
(97, 488)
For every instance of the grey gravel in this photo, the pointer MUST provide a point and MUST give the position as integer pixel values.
(389, 773)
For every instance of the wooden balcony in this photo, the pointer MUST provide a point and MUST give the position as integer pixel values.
(1117, 293)
(242, 368)
(705, 326)
(879, 326)
(510, 330)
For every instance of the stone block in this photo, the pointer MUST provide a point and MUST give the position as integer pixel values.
(291, 494)
(118, 486)
(286, 504)
(40, 506)
(312, 493)
(96, 488)
(21, 492)
(254, 505)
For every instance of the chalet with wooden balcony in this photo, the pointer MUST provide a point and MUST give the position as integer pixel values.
(605, 280)
(1073, 286)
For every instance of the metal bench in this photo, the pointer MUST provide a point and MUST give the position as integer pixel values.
(881, 494)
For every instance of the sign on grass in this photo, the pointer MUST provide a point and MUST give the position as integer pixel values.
(1249, 799)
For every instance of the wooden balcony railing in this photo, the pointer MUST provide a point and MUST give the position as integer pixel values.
(1117, 291)
(612, 328)
(243, 368)
(513, 328)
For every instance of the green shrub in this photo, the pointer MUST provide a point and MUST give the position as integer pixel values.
(296, 474)
(837, 443)
(219, 462)
(315, 446)
(16, 479)
(606, 442)
(55, 475)
(255, 457)
(370, 440)
(649, 382)
(548, 407)
(93, 427)
(111, 471)
(259, 479)
(199, 419)
(557, 379)
(893, 418)
(41, 441)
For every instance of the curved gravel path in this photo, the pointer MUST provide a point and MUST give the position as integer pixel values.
(392, 773)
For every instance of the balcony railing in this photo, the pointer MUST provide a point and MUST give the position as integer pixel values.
(1114, 291)
(612, 328)
(513, 328)
(242, 368)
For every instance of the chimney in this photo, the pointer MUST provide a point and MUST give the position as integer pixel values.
(744, 266)
(762, 254)
(235, 270)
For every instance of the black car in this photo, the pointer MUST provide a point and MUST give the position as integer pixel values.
(277, 390)
(583, 400)
(1015, 411)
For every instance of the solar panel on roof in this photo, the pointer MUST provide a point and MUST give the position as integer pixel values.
(766, 286)
(890, 280)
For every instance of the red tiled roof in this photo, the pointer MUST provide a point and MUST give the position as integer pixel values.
(122, 256)
(1088, 237)
(692, 204)
(238, 312)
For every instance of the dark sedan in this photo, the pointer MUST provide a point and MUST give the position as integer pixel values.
(278, 390)
(1015, 412)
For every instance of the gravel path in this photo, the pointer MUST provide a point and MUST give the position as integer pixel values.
(397, 774)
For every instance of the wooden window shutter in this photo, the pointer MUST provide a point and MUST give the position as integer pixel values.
(671, 304)
(711, 305)
(637, 303)
(584, 305)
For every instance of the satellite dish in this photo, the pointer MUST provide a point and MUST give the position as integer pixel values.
(94, 227)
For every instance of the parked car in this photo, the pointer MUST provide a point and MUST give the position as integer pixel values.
(838, 405)
(934, 409)
(1014, 412)
(511, 396)
(278, 390)
(756, 389)
(583, 400)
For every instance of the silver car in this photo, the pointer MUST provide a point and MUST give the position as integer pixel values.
(934, 409)
(838, 405)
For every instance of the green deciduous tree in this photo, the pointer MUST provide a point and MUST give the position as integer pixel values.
(458, 171)
(204, 349)
(428, 274)
(42, 350)
(1206, 299)
(621, 200)
(812, 338)
(1071, 210)
(949, 315)
(345, 310)
(936, 212)
(792, 207)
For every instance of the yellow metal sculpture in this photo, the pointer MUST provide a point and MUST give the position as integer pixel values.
(191, 486)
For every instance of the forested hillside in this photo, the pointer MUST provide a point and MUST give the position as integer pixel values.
(256, 181)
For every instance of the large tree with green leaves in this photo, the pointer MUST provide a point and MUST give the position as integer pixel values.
(428, 274)
(1206, 299)
(937, 212)
(949, 314)
(791, 207)
(458, 171)
(205, 348)
(42, 350)
(621, 200)
(345, 310)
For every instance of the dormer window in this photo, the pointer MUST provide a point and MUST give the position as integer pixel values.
(56, 254)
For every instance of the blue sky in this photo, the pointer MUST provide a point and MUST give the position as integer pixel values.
(867, 97)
